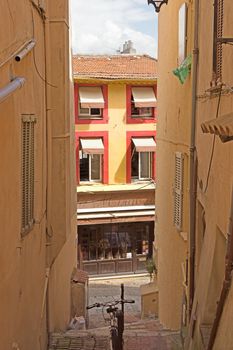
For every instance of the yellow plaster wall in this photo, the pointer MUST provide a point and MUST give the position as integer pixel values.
(117, 128)
(23, 297)
(215, 198)
(173, 135)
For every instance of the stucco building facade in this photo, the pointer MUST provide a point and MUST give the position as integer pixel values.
(115, 114)
(37, 173)
(173, 159)
(196, 120)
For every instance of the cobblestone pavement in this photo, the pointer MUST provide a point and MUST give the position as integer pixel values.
(109, 289)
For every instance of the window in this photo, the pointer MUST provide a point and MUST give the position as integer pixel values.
(142, 158)
(92, 156)
(217, 46)
(27, 171)
(89, 112)
(90, 159)
(182, 33)
(178, 190)
(100, 242)
(141, 104)
(91, 104)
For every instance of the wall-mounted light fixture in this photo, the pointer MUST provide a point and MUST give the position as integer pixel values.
(157, 4)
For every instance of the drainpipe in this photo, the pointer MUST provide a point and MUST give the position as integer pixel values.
(193, 163)
(227, 281)
(20, 55)
(14, 85)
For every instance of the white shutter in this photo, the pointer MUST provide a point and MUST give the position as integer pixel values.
(178, 190)
(27, 172)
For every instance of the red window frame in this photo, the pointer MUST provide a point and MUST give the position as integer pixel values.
(129, 136)
(93, 135)
(104, 119)
(133, 120)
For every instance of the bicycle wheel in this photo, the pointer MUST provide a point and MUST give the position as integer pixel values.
(120, 328)
(114, 339)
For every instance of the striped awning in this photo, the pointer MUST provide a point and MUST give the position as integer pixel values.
(92, 146)
(144, 144)
(91, 97)
(222, 127)
(115, 214)
(144, 97)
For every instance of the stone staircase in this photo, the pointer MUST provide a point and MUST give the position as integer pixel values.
(144, 334)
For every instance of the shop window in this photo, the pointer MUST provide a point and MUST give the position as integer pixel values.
(115, 241)
(142, 150)
(141, 104)
(105, 243)
(90, 160)
(142, 242)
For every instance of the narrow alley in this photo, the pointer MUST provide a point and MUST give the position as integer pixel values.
(139, 333)
(116, 168)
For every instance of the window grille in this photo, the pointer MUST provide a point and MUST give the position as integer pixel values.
(178, 190)
(27, 172)
(218, 33)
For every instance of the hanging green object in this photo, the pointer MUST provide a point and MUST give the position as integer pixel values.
(184, 69)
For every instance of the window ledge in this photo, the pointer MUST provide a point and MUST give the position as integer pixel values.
(97, 187)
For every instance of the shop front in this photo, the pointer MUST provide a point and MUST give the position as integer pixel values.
(115, 248)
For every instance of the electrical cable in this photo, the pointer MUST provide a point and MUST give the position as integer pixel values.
(34, 58)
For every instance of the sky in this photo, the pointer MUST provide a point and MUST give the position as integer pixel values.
(102, 26)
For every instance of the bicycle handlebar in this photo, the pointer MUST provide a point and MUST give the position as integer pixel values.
(110, 303)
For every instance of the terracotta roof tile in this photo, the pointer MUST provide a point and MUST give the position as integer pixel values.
(115, 67)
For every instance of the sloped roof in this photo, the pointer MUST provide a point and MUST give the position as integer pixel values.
(115, 67)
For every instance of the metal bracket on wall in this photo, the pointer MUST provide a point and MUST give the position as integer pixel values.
(225, 40)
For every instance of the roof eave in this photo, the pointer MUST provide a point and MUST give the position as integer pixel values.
(109, 79)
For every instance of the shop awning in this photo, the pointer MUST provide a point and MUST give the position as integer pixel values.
(144, 97)
(92, 146)
(222, 126)
(145, 144)
(91, 97)
(116, 214)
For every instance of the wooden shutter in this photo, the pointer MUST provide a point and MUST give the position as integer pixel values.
(178, 190)
(27, 172)
(218, 33)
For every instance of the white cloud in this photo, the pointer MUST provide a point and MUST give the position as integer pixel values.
(101, 27)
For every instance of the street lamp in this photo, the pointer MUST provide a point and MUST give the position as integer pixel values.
(157, 4)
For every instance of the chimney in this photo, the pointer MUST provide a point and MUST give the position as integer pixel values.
(128, 48)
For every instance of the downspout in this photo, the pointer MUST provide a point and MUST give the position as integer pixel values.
(227, 281)
(193, 162)
(14, 85)
(48, 161)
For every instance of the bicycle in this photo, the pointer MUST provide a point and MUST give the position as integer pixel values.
(116, 320)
